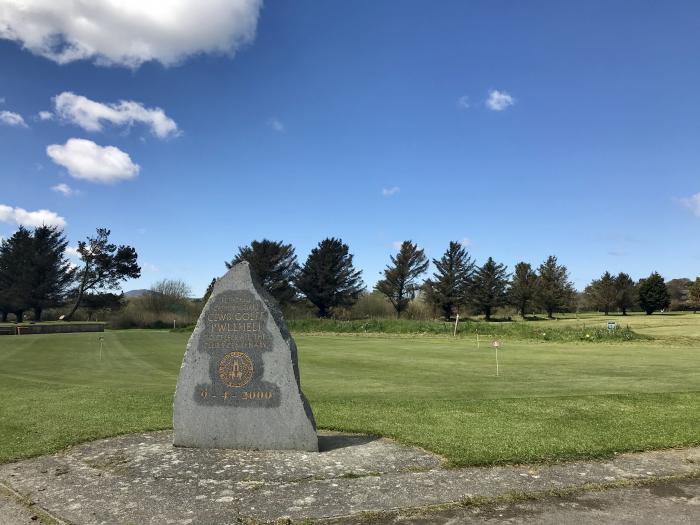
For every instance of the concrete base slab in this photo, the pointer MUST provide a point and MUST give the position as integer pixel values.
(142, 478)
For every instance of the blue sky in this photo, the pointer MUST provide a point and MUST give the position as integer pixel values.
(524, 128)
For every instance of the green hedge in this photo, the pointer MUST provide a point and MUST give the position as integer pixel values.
(468, 328)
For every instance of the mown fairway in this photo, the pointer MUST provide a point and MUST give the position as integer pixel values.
(552, 401)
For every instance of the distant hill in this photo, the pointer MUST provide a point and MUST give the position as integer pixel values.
(137, 293)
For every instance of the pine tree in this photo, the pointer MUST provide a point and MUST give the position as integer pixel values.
(399, 284)
(694, 293)
(626, 292)
(653, 294)
(554, 290)
(95, 302)
(449, 288)
(275, 264)
(105, 265)
(523, 287)
(16, 255)
(207, 293)
(328, 279)
(489, 290)
(50, 273)
(603, 292)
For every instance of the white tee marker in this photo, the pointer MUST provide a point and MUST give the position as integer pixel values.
(496, 344)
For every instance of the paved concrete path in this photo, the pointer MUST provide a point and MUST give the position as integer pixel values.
(142, 479)
(667, 502)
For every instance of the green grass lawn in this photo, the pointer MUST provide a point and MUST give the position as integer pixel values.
(552, 401)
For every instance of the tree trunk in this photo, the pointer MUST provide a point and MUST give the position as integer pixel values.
(19, 315)
(550, 313)
(81, 291)
(487, 313)
(624, 311)
(522, 311)
(607, 311)
(37, 313)
(4, 317)
(70, 314)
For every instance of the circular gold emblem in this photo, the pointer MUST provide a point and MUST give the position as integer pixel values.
(236, 369)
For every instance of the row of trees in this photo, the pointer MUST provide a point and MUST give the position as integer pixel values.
(329, 280)
(458, 284)
(35, 273)
(651, 294)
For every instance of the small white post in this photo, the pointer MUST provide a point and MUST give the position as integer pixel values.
(173, 324)
(101, 341)
(477, 339)
(456, 321)
(496, 345)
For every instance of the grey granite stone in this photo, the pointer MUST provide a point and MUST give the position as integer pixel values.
(239, 381)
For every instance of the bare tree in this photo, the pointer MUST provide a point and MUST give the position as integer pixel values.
(167, 295)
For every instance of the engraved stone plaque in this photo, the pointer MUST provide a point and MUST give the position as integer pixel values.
(239, 380)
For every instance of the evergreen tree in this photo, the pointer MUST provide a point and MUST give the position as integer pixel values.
(626, 292)
(603, 292)
(489, 290)
(105, 265)
(50, 274)
(653, 294)
(554, 290)
(96, 302)
(16, 255)
(275, 264)
(328, 279)
(678, 292)
(523, 287)
(449, 288)
(210, 289)
(399, 283)
(694, 293)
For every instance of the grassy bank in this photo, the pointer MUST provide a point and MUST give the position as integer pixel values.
(551, 401)
(520, 330)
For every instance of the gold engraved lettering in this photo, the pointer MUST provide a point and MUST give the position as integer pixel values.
(256, 394)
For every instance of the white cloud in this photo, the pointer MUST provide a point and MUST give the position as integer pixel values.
(388, 192)
(150, 268)
(64, 189)
(30, 219)
(12, 119)
(276, 124)
(2, 100)
(463, 102)
(88, 161)
(396, 245)
(466, 241)
(499, 100)
(128, 32)
(45, 115)
(72, 251)
(692, 203)
(89, 114)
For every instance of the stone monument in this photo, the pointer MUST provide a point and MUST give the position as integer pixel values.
(239, 381)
